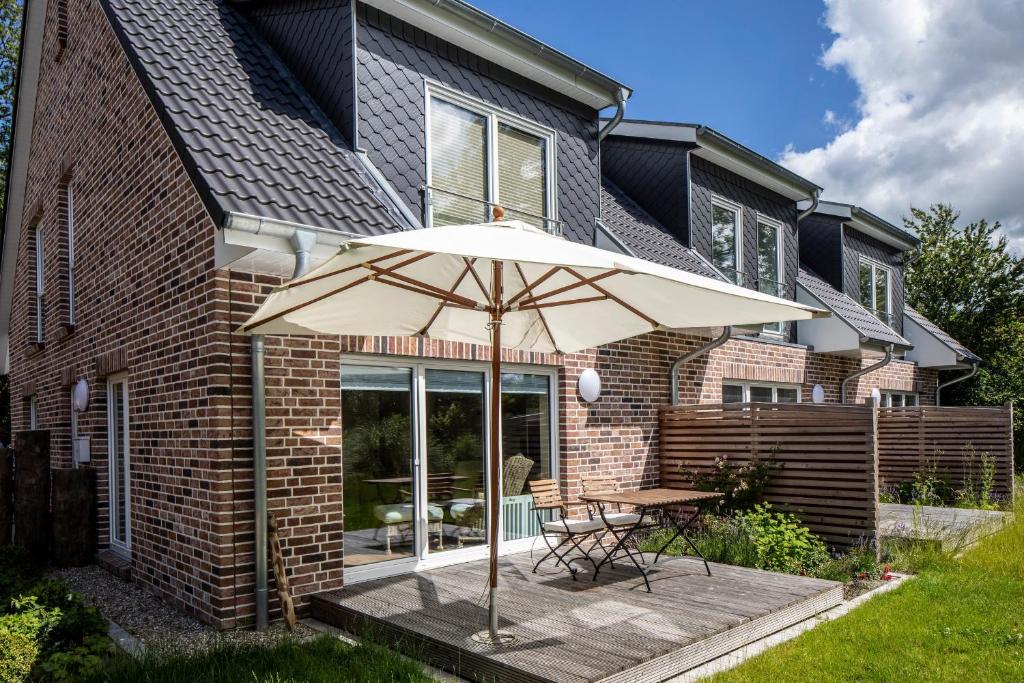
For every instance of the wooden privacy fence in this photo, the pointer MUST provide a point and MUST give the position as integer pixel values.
(827, 454)
(950, 440)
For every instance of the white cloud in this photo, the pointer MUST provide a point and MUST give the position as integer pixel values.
(940, 113)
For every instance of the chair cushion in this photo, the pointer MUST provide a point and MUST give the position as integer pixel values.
(459, 510)
(398, 513)
(576, 526)
(626, 519)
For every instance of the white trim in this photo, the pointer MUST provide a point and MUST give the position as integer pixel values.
(780, 244)
(495, 116)
(71, 253)
(729, 205)
(774, 386)
(123, 502)
(423, 558)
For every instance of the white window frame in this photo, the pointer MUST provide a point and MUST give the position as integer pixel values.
(40, 282)
(70, 197)
(495, 116)
(737, 209)
(33, 413)
(774, 386)
(776, 328)
(114, 382)
(875, 267)
(887, 398)
(422, 558)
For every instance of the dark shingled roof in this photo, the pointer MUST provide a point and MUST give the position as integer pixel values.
(866, 324)
(941, 335)
(643, 235)
(252, 139)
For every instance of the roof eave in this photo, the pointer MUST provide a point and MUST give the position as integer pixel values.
(461, 24)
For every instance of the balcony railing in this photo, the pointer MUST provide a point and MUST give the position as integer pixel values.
(773, 287)
(548, 224)
(884, 316)
(737, 277)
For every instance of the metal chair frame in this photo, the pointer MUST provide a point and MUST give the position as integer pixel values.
(546, 496)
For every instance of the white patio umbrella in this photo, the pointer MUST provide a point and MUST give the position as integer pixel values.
(504, 284)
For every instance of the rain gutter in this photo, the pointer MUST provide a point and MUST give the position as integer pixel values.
(863, 371)
(955, 380)
(696, 353)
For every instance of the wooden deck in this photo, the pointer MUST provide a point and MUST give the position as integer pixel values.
(605, 630)
(954, 528)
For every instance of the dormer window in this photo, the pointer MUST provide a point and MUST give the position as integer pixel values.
(876, 289)
(769, 263)
(726, 243)
(479, 156)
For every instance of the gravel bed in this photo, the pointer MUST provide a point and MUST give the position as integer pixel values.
(157, 624)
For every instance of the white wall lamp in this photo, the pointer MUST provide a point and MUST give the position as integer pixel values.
(589, 385)
(818, 394)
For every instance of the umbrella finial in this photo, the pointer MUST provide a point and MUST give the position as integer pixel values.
(498, 212)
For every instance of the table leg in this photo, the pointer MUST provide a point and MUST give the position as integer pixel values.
(681, 531)
(620, 543)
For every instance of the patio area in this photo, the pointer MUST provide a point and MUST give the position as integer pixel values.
(605, 630)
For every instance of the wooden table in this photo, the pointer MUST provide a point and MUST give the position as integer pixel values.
(650, 499)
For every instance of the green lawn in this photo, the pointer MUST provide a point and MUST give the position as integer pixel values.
(959, 620)
(322, 660)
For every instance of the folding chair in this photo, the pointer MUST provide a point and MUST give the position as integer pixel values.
(617, 522)
(546, 496)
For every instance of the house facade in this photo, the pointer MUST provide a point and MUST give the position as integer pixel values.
(173, 163)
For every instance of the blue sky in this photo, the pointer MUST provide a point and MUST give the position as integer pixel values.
(749, 69)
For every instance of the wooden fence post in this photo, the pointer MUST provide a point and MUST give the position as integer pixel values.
(32, 493)
(873, 496)
(6, 495)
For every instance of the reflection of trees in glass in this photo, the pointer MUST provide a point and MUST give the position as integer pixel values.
(767, 257)
(723, 237)
(376, 437)
(866, 293)
(454, 431)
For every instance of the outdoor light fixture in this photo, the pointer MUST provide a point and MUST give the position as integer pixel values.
(590, 385)
(818, 394)
(876, 395)
(80, 397)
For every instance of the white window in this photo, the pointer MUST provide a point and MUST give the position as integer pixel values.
(479, 156)
(876, 289)
(39, 284)
(33, 413)
(769, 263)
(71, 254)
(119, 464)
(898, 399)
(726, 238)
(744, 392)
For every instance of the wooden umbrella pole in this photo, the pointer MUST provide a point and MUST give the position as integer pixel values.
(494, 502)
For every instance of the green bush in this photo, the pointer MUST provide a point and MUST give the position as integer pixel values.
(859, 562)
(720, 539)
(782, 543)
(740, 485)
(18, 654)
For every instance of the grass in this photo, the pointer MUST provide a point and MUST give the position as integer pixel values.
(322, 660)
(959, 619)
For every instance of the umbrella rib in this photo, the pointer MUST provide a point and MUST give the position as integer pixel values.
(620, 302)
(583, 282)
(479, 282)
(547, 329)
(435, 291)
(366, 278)
(440, 306)
(566, 302)
(529, 287)
(424, 292)
(317, 278)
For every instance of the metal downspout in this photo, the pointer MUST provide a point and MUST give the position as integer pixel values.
(696, 353)
(302, 243)
(955, 380)
(809, 210)
(863, 371)
(620, 109)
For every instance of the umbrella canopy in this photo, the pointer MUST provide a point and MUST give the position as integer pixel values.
(559, 295)
(507, 284)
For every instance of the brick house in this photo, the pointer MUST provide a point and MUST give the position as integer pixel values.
(172, 161)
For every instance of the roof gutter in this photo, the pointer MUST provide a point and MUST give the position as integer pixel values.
(258, 225)
(863, 371)
(955, 380)
(696, 353)
(620, 109)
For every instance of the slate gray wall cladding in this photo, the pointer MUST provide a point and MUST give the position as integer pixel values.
(857, 245)
(652, 173)
(708, 179)
(821, 247)
(394, 60)
(314, 37)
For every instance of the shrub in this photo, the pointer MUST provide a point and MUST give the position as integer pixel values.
(978, 490)
(782, 543)
(720, 539)
(859, 562)
(17, 655)
(741, 485)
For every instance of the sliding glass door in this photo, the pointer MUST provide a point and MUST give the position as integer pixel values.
(414, 453)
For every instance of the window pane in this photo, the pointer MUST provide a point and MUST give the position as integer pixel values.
(376, 437)
(522, 168)
(760, 394)
(732, 393)
(881, 290)
(458, 164)
(896, 400)
(768, 259)
(867, 296)
(526, 448)
(118, 495)
(787, 395)
(723, 239)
